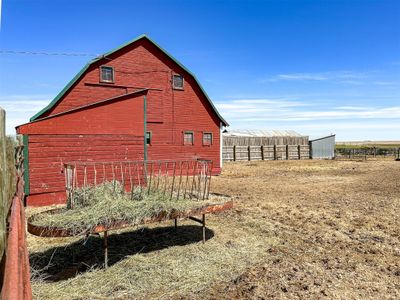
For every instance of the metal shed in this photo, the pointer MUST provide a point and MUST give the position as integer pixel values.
(323, 148)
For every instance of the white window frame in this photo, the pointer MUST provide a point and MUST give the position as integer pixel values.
(101, 74)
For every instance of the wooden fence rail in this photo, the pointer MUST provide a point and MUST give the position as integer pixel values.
(14, 272)
(365, 153)
(265, 152)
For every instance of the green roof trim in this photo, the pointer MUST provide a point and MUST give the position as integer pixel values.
(81, 72)
(60, 94)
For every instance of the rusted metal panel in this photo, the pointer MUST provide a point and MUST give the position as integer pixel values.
(44, 231)
(16, 283)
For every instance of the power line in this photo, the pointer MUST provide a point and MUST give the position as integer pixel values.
(47, 53)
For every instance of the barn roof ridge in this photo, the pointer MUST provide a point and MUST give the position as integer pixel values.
(83, 70)
(86, 106)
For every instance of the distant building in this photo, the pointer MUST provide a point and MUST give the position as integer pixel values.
(264, 145)
(323, 148)
(263, 137)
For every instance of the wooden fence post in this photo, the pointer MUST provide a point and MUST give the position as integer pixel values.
(275, 154)
(234, 153)
(248, 153)
(299, 151)
(262, 152)
(287, 152)
(3, 182)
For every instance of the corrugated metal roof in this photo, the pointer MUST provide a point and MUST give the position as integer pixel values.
(262, 133)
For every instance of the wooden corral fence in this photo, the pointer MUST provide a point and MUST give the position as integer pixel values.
(264, 140)
(263, 152)
(367, 153)
(15, 270)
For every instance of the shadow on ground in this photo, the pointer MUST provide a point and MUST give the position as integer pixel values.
(61, 263)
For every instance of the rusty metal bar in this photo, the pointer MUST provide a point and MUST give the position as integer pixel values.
(180, 180)
(177, 179)
(173, 180)
(105, 240)
(150, 180)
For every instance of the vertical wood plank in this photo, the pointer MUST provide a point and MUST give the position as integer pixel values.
(299, 151)
(287, 152)
(3, 182)
(234, 153)
(262, 152)
(248, 153)
(275, 154)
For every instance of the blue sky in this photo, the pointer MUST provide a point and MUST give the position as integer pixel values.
(317, 67)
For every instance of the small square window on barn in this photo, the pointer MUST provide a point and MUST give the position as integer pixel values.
(106, 74)
(207, 138)
(148, 137)
(188, 138)
(177, 82)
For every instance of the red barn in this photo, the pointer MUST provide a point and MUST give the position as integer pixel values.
(135, 102)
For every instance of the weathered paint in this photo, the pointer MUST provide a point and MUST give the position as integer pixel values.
(48, 153)
(45, 231)
(106, 56)
(16, 284)
(169, 113)
(25, 141)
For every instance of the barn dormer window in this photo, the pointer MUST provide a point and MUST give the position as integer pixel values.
(106, 74)
(177, 82)
(188, 138)
(207, 139)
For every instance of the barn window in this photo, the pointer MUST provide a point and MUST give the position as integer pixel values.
(148, 137)
(106, 74)
(207, 138)
(177, 82)
(188, 138)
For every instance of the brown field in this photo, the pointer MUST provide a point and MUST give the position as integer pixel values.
(300, 229)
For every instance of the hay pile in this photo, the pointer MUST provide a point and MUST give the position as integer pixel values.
(108, 203)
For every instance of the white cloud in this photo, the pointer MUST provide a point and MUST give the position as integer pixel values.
(259, 110)
(301, 76)
(20, 108)
(346, 77)
(386, 83)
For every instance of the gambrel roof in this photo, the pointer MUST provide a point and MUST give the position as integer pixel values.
(86, 67)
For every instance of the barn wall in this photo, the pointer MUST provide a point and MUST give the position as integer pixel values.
(169, 112)
(107, 132)
(123, 116)
(48, 153)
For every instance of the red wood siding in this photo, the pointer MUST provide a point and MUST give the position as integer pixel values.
(169, 113)
(48, 153)
(123, 116)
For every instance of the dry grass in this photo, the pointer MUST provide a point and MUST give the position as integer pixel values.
(107, 204)
(300, 229)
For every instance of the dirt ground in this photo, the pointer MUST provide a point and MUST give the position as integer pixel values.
(299, 229)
